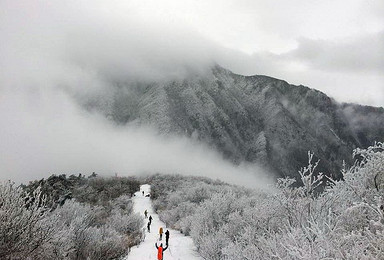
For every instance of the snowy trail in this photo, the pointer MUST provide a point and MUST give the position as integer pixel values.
(180, 246)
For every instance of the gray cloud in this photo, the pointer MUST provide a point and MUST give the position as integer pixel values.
(50, 49)
(52, 41)
(84, 45)
(360, 54)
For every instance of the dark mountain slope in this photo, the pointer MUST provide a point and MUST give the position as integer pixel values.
(251, 118)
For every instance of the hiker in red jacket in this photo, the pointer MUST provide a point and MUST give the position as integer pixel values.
(160, 251)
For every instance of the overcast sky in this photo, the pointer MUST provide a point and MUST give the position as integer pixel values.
(336, 46)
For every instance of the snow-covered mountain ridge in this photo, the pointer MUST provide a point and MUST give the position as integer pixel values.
(250, 118)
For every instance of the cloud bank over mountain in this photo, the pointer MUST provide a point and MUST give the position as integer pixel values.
(55, 136)
(53, 50)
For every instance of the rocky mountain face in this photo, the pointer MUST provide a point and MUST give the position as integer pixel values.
(250, 118)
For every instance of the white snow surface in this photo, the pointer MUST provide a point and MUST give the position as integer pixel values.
(180, 247)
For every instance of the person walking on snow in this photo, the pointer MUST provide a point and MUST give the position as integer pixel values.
(160, 251)
(149, 227)
(145, 213)
(161, 232)
(166, 237)
(150, 220)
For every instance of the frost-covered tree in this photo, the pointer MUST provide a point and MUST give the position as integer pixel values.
(39, 221)
(22, 231)
(322, 219)
(80, 236)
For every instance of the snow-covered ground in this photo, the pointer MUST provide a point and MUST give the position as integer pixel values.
(180, 246)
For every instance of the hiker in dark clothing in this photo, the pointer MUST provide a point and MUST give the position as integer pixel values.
(149, 227)
(166, 237)
(145, 213)
(143, 193)
(160, 251)
(150, 219)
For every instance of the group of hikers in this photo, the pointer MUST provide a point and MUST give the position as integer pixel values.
(160, 248)
(166, 235)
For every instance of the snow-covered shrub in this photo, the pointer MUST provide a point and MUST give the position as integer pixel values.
(211, 220)
(100, 227)
(210, 245)
(184, 201)
(344, 219)
(72, 238)
(79, 236)
(100, 191)
(172, 217)
(125, 223)
(343, 222)
(123, 203)
(163, 185)
(103, 243)
(22, 231)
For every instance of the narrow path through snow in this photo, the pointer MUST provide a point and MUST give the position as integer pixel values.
(180, 246)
